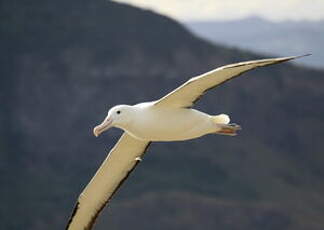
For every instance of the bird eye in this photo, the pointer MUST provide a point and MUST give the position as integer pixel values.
(118, 112)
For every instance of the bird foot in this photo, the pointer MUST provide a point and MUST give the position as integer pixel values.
(229, 129)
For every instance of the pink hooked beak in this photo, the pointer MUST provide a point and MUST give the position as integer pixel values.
(105, 125)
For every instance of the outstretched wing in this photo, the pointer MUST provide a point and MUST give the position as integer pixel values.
(188, 93)
(120, 162)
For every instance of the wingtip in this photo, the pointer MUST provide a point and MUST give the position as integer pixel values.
(289, 58)
(300, 56)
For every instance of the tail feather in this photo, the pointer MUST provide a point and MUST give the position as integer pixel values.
(221, 119)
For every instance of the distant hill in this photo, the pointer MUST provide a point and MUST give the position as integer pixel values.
(260, 35)
(65, 63)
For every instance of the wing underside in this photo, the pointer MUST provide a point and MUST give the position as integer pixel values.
(118, 165)
(191, 91)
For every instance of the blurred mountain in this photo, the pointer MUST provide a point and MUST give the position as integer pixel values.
(65, 63)
(260, 35)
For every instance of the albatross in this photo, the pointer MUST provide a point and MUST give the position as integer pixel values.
(170, 118)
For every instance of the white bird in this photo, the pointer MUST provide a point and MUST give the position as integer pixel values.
(170, 118)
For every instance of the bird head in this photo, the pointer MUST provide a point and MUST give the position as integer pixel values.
(118, 116)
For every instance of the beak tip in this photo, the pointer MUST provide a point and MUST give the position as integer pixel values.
(106, 124)
(95, 132)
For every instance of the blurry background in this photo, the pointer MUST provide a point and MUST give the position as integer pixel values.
(274, 28)
(65, 63)
(269, 37)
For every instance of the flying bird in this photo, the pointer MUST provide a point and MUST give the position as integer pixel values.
(170, 118)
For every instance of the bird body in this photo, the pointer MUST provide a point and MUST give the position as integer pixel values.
(170, 118)
(151, 123)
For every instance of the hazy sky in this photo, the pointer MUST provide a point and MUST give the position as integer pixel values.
(277, 10)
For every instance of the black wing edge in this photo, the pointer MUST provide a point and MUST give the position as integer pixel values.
(239, 74)
(94, 217)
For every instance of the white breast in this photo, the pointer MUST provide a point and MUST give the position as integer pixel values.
(169, 124)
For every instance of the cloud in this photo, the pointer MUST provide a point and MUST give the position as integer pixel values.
(232, 9)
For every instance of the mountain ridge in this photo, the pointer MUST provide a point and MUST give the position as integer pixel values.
(261, 35)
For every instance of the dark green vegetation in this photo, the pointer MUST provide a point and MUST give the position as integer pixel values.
(65, 63)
